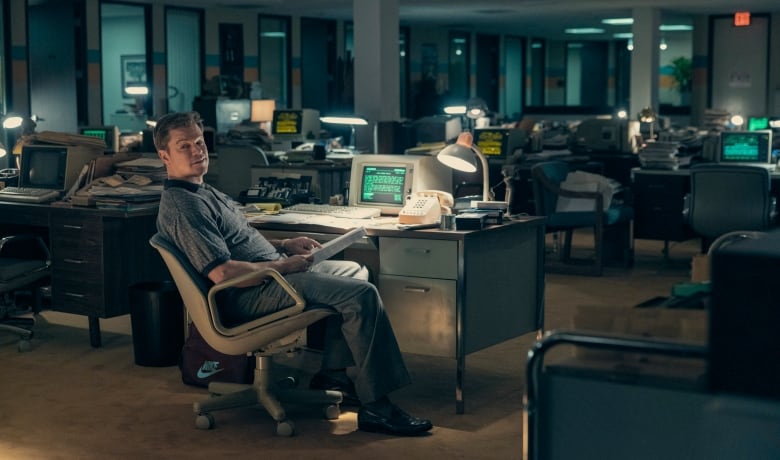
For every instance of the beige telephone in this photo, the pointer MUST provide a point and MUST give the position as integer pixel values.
(426, 207)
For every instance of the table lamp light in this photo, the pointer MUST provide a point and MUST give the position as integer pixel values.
(647, 115)
(351, 120)
(460, 156)
(263, 113)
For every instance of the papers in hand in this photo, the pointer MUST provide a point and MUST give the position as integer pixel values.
(337, 245)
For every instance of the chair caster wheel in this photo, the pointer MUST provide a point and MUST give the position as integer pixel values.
(24, 345)
(285, 428)
(332, 412)
(204, 421)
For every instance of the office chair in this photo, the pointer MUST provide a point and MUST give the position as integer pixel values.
(728, 198)
(24, 267)
(612, 223)
(280, 332)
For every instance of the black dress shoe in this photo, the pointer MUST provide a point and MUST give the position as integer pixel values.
(398, 423)
(322, 381)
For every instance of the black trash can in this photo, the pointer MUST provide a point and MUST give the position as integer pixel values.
(157, 319)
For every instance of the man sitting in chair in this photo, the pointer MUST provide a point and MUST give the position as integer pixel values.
(219, 242)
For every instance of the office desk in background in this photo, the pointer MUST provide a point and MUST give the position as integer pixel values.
(658, 203)
(96, 255)
(447, 293)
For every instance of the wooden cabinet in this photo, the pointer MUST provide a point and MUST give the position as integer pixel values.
(95, 260)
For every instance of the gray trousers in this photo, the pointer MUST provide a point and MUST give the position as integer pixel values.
(360, 335)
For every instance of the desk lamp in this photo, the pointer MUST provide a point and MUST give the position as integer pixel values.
(647, 115)
(263, 113)
(460, 156)
(139, 91)
(351, 120)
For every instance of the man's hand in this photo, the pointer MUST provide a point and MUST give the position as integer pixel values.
(293, 264)
(300, 245)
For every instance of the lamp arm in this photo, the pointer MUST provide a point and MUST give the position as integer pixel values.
(485, 174)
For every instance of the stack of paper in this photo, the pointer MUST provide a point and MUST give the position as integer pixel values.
(153, 168)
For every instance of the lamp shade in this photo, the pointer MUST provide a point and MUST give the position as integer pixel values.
(355, 120)
(646, 115)
(461, 156)
(12, 121)
(476, 108)
(262, 110)
(3, 151)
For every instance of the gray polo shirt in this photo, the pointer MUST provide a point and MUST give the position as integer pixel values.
(206, 225)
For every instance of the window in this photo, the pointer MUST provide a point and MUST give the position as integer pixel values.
(274, 58)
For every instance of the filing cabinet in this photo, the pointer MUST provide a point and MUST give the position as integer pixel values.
(418, 283)
(658, 205)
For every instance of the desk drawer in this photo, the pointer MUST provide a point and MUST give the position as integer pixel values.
(422, 311)
(418, 257)
(78, 296)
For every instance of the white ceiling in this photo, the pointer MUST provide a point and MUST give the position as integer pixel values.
(529, 18)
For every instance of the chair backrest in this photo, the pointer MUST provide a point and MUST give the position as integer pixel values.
(729, 198)
(244, 338)
(551, 174)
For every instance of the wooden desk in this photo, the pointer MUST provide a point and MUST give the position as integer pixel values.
(450, 293)
(96, 255)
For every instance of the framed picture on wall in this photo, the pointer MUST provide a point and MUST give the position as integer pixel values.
(133, 74)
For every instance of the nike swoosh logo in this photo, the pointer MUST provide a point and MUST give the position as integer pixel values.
(208, 369)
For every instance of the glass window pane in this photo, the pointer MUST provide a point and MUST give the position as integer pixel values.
(183, 55)
(273, 59)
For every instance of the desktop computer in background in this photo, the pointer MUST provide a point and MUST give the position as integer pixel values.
(744, 341)
(292, 127)
(436, 128)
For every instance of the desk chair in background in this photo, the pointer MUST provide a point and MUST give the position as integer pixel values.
(547, 178)
(728, 198)
(24, 268)
(276, 333)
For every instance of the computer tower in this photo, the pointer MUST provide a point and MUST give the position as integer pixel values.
(744, 341)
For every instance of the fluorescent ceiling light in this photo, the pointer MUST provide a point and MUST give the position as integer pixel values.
(618, 21)
(273, 34)
(674, 27)
(584, 30)
(623, 35)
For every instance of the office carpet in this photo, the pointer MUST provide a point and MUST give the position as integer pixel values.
(67, 400)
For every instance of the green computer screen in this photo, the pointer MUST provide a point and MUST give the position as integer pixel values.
(755, 123)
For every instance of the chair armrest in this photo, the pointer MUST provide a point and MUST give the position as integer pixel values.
(9, 242)
(295, 309)
(772, 211)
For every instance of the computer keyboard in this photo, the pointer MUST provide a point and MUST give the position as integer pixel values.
(28, 194)
(348, 212)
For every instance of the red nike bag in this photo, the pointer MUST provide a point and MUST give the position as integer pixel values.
(200, 364)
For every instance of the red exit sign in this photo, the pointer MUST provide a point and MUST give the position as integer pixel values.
(742, 19)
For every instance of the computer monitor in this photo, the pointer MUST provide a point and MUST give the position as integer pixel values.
(498, 144)
(436, 128)
(385, 181)
(746, 147)
(291, 127)
(606, 135)
(109, 134)
(757, 123)
(54, 167)
(231, 113)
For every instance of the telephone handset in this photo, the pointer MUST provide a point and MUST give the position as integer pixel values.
(426, 207)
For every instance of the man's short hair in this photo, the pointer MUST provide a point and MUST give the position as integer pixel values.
(174, 120)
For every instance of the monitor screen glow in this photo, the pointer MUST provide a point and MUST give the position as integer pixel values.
(745, 147)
